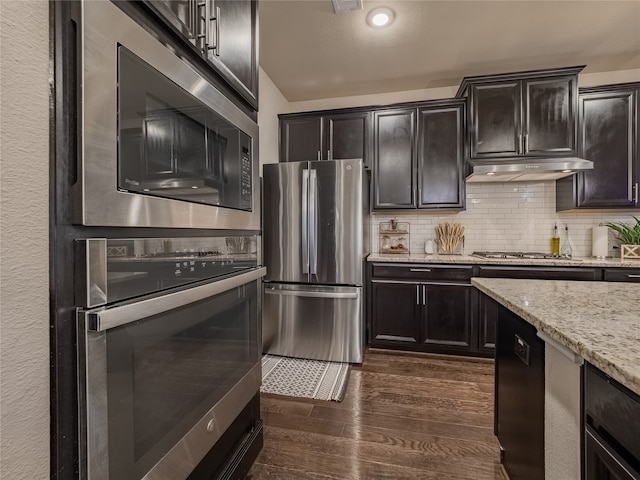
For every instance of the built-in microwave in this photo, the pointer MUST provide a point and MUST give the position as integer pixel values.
(160, 146)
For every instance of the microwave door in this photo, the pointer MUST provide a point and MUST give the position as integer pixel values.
(146, 117)
(286, 236)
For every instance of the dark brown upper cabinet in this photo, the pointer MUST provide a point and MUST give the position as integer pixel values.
(441, 155)
(419, 156)
(608, 136)
(335, 135)
(394, 158)
(520, 115)
(223, 33)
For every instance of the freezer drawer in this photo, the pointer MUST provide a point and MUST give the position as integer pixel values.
(317, 322)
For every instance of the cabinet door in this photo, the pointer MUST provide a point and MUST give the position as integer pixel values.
(622, 275)
(487, 322)
(394, 158)
(550, 116)
(606, 137)
(300, 138)
(346, 136)
(234, 43)
(440, 157)
(448, 315)
(223, 32)
(396, 308)
(181, 14)
(495, 120)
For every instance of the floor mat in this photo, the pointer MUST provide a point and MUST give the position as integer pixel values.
(299, 377)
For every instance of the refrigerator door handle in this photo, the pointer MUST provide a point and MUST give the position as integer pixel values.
(301, 293)
(313, 222)
(305, 221)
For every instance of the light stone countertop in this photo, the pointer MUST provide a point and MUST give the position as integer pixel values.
(469, 259)
(599, 321)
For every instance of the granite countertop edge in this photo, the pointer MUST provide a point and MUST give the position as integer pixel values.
(609, 366)
(470, 259)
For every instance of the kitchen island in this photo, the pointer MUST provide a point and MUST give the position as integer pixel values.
(598, 321)
(539, 392)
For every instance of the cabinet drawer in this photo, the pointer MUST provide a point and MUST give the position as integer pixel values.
(542, 273)
(622, 275)
(423, 272)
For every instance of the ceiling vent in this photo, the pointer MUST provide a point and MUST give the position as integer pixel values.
(342, 6)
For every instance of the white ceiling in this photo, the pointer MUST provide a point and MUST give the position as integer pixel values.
(309, 52)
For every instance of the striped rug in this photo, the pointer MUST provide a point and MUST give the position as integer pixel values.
(299, 377)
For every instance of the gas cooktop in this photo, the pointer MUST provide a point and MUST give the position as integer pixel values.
(520, 255)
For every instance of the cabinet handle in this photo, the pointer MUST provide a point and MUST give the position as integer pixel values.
(207, 25)
(526, 144)
(202, 12)
(635, 197)
(215, 20)
(319, 153)
(417, 294)
(424, 295)
(519, 146)
(419, 269)
(633, 276)
(329, 155)
(217, 48)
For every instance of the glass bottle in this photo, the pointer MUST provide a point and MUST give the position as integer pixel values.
(555, 242)
(566, 251)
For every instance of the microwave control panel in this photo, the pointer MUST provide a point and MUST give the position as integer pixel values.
(245, 178)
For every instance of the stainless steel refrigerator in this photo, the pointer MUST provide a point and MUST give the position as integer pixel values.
(315, 242)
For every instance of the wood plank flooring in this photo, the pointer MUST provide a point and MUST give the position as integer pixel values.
(404, 416)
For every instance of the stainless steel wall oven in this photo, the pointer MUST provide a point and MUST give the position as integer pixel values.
(168, 351)
(160, 146)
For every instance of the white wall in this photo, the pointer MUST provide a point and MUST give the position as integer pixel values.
(24, 240)
(271, 103)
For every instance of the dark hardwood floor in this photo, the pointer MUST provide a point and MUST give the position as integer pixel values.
(404, 416)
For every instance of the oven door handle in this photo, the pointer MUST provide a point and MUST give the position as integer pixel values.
(102, 319)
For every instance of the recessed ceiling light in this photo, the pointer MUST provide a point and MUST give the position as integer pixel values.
(380, 17)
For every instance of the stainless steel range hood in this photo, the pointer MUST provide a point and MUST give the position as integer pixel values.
(526, 171)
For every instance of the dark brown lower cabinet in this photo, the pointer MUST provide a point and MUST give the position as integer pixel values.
(396, 309)
(447, 317)
(425, 316)
(487, 318)
(434, 308)
(622, 275)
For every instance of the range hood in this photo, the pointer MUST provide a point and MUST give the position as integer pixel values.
(526, 171)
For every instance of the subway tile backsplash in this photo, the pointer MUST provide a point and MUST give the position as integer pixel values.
(508, 216)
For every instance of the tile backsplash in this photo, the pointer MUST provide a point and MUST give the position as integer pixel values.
(508, 216)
